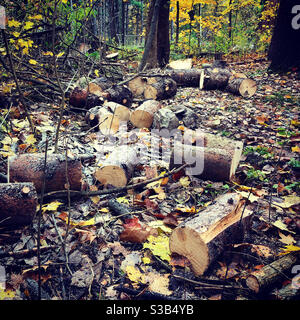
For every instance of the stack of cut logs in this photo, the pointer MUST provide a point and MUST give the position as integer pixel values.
(201, 238)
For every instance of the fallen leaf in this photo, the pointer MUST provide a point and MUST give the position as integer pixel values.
(51, 206)
(288, 249)
(251, 197)
(135, 275)
(288, 240)
(280, 225)
(159, 246)
(288, 202)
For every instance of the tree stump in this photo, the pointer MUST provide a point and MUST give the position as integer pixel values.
(142, 117)
(18, 204)
(118, 168)
(203, 237)
(30, 168)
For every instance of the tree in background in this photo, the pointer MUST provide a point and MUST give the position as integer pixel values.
(157, 45)
(284, 50)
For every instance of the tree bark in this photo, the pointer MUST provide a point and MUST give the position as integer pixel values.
(149, 58)
(18, 204)
(163, 36)
(30, 168)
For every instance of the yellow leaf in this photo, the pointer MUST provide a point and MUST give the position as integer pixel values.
(123, 200)
(158, 224)
(13, 23)
(97, 73)
(288, 240)
(159, 246)
(31, 139)
(34, 62)
(289, 201)
(288, 249)
(245, 195)
(185, 181)
(105, 210)
(36, 17)
(295, 123)
(6, 294)
(16, 34)
(28, 25)
(280, 225)
(9, 140)
(296, 149)
(135, 275)
(51, 206)
(95, 199)
(48, 53)
(60, 54)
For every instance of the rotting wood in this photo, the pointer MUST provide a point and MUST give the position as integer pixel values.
(30, 168)
(204, 236)
(261, 279)
(18, 203)
(142, 117)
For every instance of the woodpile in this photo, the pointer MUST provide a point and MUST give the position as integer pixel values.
(203, 237)
(153, 87)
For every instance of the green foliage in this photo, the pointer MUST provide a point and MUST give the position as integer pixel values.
(253, 174)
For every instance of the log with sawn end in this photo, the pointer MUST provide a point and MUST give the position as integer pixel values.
(204, 236)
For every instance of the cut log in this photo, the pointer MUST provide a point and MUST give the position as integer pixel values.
(78, 97)
(18, 204)
(181, 64)
(159, 88)
(261, 279)
(107, 118)
(211, 163)
(214, 78)
(30, 168)
(186, 77)
(118, 168)
(142, 117)
(165, 119)
(208, 140)
(203, 237)
(241, 86)
(119, 94)
(288, 292)
(137, 86)
(120, 111)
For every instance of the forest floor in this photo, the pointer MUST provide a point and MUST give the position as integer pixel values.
(85, 259)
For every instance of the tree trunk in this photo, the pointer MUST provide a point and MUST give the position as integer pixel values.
(203, 237)
(18, 203)
(163, 36)
(30, 168)
(149, 58)
(285, 45)
(241, 86)
(177, 22)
